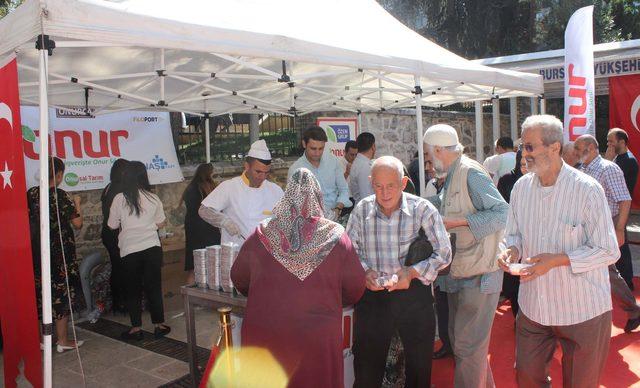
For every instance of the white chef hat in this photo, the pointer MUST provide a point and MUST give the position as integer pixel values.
(442, 135)
(259, 150)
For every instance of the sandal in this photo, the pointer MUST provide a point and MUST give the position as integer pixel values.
(161, 331)
(135, 336)
(64, 348)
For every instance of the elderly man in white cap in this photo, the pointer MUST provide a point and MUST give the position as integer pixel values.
(473, 210)
(239, 204)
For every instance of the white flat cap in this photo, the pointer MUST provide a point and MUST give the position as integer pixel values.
(259, 150)
(442, 135)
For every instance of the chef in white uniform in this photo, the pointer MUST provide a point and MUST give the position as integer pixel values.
(238, 205)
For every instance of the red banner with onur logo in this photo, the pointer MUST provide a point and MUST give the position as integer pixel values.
(18, 315)
(624, 112)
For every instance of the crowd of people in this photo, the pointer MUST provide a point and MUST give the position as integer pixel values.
(543, 232)
(542, 223)
(132, 216)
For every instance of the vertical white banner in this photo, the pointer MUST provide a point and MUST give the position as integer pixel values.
(579, 94)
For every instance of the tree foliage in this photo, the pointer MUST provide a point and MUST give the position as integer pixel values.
(626, 16)
(486, 28)
(7, 6)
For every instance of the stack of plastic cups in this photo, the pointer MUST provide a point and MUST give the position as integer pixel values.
(227, 256)
(200, 267)
(213, 264)
(234, 254)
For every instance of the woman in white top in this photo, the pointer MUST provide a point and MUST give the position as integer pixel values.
(138, 213)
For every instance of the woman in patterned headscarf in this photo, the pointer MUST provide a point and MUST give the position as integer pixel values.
(298, 270)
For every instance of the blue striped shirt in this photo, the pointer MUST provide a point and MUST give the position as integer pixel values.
(611, 178)
(383, 242)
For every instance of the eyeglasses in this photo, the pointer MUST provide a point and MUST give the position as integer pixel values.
(530, 147)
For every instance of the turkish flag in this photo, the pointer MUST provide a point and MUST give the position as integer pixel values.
(624, 112)
(18, 313)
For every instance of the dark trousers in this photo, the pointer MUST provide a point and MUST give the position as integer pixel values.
(584, 351)
(624, 264)
(442, 309)
(378, 315)
(142, 272)
(116, 282)
(622, 294)
(510, 289)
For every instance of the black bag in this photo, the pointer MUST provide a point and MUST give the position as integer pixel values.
(420, 249)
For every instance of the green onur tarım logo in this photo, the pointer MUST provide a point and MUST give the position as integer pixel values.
(331, 134)
(71, 179)
(28, 134)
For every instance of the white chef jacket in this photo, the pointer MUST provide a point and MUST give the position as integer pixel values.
(246, 206)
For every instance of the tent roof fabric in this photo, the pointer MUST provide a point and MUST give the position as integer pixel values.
(241, 56)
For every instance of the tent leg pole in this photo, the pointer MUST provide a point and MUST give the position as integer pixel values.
(534, 105)
(420, 134)
(479, 133)
(543, 106)
(254, 128)
(207, 138)
(495, 105)
(513, 119)
(45, 254)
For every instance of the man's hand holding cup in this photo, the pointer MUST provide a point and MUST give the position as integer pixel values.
(509, 256)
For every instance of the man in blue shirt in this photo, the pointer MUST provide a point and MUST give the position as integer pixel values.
(360, 183)
(327, 170)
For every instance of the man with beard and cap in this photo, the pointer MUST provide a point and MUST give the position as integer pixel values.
(611, 178)
(617, 151)
(474, 210)
(560, 224)
(238, 205)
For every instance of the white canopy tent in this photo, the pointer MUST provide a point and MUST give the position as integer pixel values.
(216, 57)
(344, 55)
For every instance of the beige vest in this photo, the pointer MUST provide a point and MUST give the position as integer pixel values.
(472, 257)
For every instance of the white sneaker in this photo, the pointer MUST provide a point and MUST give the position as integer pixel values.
(93, 316)
(63, 348)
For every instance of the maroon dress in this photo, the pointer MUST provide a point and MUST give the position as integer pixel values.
(299, 322)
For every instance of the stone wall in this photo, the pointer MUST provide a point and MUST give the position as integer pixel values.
(396, 132)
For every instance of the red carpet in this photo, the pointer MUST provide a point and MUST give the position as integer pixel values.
(623, 363)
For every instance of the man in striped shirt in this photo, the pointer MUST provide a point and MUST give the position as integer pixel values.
(611, 178)
(559, 221)
(382, 227)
